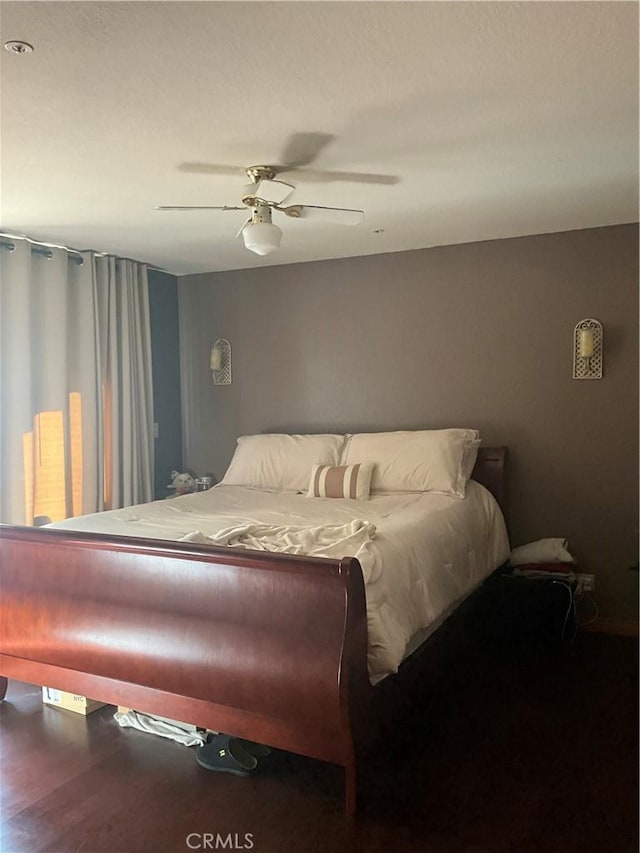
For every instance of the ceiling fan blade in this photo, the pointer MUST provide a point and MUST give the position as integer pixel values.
(196, 207)
(325, 177)
(211, 169)
(342, 215)
(303, 148)
(244, 225)
(273, 192)
(301, 173)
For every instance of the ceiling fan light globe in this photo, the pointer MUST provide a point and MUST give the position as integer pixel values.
(262, 237)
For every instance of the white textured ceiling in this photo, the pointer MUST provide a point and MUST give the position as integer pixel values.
(498, 119)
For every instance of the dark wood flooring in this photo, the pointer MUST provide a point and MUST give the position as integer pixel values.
(518, 749)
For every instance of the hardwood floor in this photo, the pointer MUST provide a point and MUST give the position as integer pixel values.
(518, 750)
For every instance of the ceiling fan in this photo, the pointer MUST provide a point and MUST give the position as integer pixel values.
(264, 195)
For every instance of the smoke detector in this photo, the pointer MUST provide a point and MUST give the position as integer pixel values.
(18, 47)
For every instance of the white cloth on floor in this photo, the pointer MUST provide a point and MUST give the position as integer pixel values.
(155, 726)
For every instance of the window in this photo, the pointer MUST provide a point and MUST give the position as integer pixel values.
(48, 491)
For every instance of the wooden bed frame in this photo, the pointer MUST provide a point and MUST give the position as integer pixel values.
(272, 648)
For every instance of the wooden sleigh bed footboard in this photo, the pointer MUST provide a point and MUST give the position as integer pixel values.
(227, 639)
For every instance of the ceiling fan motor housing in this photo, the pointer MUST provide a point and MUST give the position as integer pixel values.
(260, 173)
(261, 213)
(249, 197)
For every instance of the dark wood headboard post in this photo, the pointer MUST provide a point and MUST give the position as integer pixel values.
(489, 471)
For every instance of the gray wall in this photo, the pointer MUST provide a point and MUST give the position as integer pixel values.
(165, 353)
(477, 335)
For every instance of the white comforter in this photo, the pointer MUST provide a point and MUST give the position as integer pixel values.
(421, 553)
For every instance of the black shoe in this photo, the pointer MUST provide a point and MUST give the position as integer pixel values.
(226, 755)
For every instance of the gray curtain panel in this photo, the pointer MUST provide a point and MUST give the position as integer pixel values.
(76, 431)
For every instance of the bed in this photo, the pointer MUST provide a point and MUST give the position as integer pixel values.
(145, 608)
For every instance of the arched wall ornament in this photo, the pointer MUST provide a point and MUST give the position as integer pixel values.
(587, 350)
(220, 362)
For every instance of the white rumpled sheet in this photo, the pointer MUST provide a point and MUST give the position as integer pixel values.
(329, 540)
(421, 553)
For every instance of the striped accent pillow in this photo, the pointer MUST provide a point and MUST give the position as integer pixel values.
(343, 481)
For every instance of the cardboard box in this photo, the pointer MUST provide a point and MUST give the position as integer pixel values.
(70, 701)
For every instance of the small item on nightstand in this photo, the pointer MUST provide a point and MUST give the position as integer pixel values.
(181, 484)
(204, 483)
(542, 551)
(546, 558)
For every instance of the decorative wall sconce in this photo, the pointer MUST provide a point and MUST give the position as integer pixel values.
(587, 350)
(220, 362)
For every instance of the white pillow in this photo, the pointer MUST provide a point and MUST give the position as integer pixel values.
(416, 460)
(279, 461)
(552, 550)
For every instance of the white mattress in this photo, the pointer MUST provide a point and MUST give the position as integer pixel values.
(428, 553)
